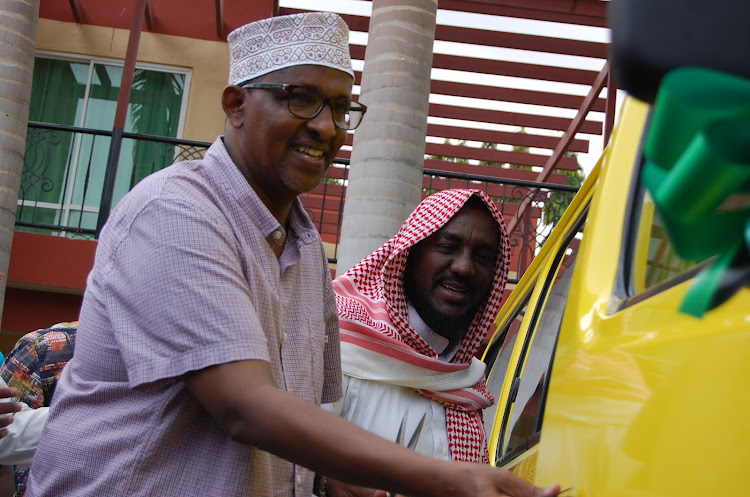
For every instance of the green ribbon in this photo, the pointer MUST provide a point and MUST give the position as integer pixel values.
(697, 170)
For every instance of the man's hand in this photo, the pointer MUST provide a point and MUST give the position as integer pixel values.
(7, 408)
(495, 482)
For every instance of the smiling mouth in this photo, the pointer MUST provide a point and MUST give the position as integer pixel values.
(312, 152)
(454, 288)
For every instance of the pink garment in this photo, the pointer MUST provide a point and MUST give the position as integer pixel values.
(373, 314)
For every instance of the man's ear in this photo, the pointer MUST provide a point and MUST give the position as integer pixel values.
(232, 100)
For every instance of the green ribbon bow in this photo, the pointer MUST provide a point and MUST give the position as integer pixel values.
(697, 169)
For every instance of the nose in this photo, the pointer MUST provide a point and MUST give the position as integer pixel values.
(462, 263)
(323, 123)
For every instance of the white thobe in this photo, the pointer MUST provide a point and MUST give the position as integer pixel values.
(19, 445)
(379, 407)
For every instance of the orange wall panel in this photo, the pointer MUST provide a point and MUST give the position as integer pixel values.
(45, 283)
(49, 262)
(29, 310)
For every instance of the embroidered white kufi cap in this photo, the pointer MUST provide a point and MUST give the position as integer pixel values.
(260, 47)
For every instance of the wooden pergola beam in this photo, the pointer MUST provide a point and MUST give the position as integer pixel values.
(492, 38)
(219, 18)
(74, 10)
(149, 15)
(576, 123)
(136, 26)
(534, 97)
(573, 128)
(578, 12)
(514, 118)
(506, 137)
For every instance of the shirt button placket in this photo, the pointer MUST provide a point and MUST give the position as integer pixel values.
(298, 481)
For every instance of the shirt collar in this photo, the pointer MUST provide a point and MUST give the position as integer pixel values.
(434, 340)
(298, 226)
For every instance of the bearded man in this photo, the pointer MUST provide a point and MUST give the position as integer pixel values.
(413, 315)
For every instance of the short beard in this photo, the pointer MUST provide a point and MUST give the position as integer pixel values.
(454, 328)
(298, 186)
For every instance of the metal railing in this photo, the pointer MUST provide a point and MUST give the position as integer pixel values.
(63, 182)
(69, 183)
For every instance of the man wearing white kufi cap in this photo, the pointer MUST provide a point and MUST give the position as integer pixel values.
(208, 334)
(319, 38)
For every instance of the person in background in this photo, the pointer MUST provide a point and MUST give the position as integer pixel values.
(413, 315)
(19, 440)
(208, 335)
(33, 368)
(8, 406)
(11, 436)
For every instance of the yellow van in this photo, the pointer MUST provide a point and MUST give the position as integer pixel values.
(620, 360)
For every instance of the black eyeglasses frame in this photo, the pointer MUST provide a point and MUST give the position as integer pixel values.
(355, 107)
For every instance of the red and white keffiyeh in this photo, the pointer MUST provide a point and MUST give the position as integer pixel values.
(373, 318)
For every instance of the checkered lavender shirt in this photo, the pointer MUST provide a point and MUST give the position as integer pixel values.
(184, 279)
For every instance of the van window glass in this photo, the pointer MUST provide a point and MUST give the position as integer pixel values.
(526, 414)
(497, 359)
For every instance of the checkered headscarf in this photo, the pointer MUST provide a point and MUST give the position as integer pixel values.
(371, 296)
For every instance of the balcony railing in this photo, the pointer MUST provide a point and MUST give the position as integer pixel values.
(66, 182)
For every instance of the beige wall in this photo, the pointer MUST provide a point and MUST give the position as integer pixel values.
(207, 60)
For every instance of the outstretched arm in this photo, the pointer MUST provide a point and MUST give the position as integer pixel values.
(242, 397)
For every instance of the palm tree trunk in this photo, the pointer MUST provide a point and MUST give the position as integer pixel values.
(19, 20)
(385, 180)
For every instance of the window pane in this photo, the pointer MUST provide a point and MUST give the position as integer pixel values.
(497, 360)
(57, 95)
(525, 420)
(90, 169)
(58, 91)
(83, 220)
(64, 171)
(38, 214)
(155, 103)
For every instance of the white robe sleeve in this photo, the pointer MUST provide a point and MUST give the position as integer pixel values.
(19, 445)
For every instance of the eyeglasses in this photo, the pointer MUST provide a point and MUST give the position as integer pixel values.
(306, 103)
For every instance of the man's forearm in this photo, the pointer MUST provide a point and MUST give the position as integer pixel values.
(242, 397)
(255, 412)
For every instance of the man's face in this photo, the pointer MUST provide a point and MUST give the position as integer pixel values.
(284, 155)
(449, 275)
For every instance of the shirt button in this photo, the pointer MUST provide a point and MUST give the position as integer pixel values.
(277, 234)
(283, 337)
(441, 448)
(299, 480)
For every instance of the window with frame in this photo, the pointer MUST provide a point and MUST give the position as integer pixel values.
(522, 418)
(63, 174)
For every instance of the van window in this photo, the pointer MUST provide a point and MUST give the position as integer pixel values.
(525, 415)
(497, 359)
